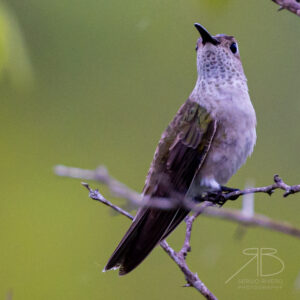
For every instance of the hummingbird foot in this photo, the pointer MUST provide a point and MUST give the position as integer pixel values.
(228, 190)
(218, 196)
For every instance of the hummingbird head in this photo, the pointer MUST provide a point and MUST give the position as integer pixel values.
(218, 58)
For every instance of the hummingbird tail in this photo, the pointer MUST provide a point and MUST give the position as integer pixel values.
(149, 227)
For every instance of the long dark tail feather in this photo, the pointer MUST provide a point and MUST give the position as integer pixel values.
(183, 160)
(147, 230)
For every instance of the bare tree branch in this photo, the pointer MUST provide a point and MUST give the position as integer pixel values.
(278, 184)
(120, 190)
(256, 220)
(101, 175)
(179, 258)
(191, 278)
(96, 195)
(291, 5)
(237, 216)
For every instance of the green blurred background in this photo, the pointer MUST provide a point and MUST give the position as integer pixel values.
(93, 82)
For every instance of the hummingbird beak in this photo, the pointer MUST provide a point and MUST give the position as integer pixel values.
(205, 35)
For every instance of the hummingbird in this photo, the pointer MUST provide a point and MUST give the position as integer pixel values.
(207, 141)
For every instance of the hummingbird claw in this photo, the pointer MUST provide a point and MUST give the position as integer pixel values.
(218, 197)
(228, 190)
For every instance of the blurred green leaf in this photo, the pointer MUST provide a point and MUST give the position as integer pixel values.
(14, 58)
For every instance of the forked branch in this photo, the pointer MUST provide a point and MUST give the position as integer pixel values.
(207, 208)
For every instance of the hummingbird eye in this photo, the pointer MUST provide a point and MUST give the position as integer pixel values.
(234, 48)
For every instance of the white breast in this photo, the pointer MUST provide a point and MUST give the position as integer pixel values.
(234, 140)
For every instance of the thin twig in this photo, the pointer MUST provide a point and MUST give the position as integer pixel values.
(291, 5)
(189, 224)
(191, 278)
(101, 175)
(278, 184)
(256, 220)
(96, 195)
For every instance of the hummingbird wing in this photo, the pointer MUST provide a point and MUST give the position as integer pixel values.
(178, 157)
